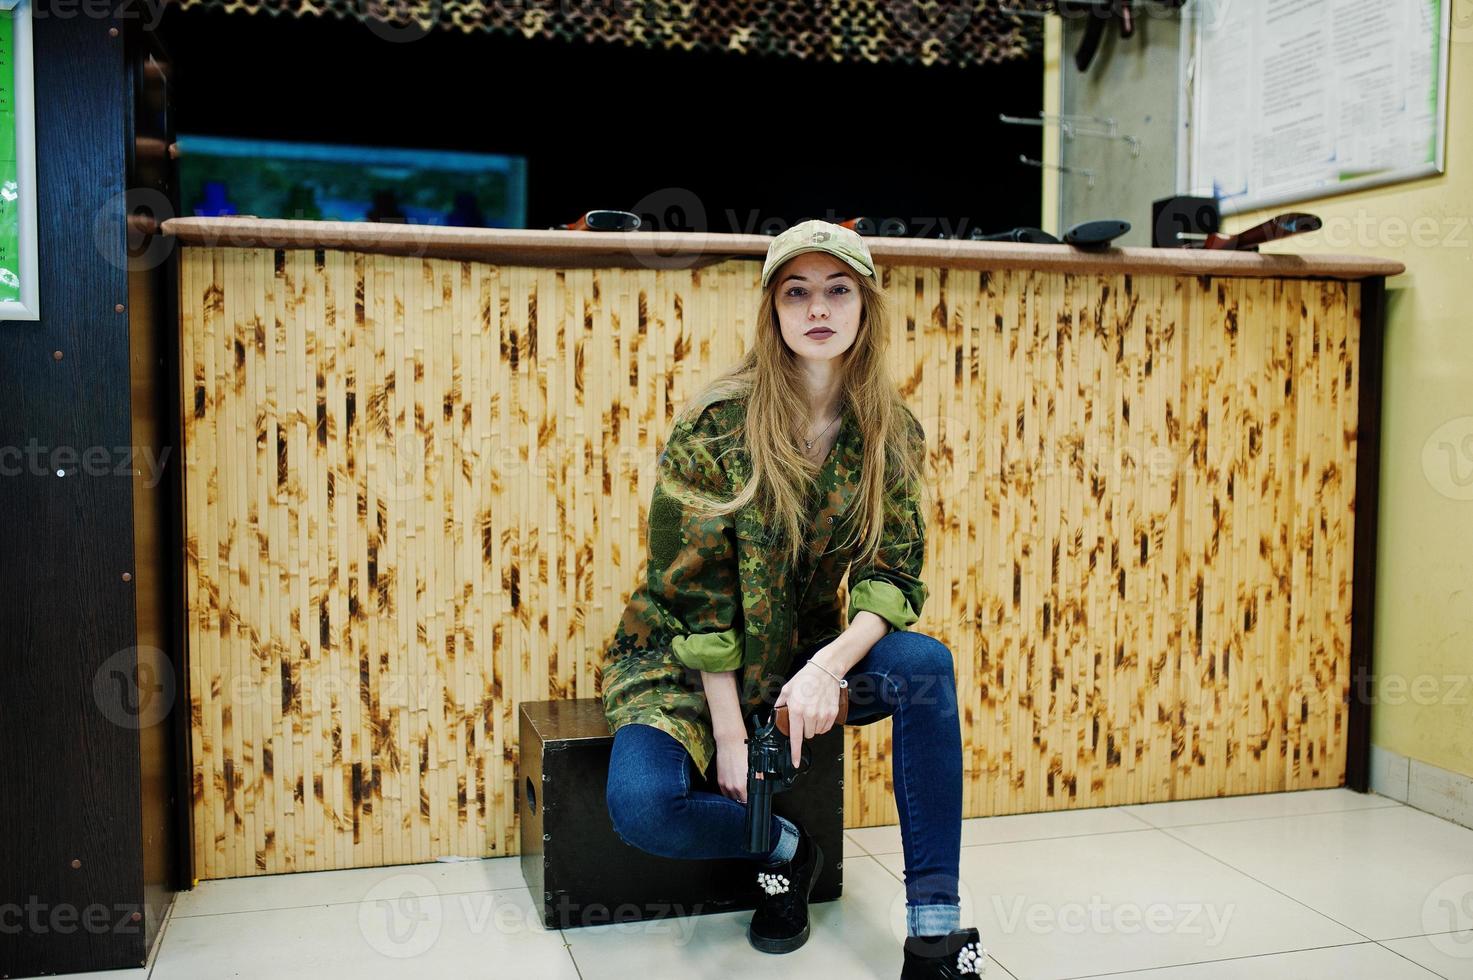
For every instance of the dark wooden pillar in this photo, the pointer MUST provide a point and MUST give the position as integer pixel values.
(89, 833)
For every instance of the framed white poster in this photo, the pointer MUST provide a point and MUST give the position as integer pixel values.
(1293, 99)
(19, 295)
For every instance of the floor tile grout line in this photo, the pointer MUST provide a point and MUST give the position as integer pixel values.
(323, 905)
(1138, 817)
(1145, 825)
(1265, 884)
(856, 843)
(1225, 959)
(1422, 935)
(1277, 816)
(867, 850)
(1395, 952)
(886, 869)
(568, 945)
(1029, 840)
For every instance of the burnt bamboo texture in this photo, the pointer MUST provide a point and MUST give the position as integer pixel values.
(415, 495)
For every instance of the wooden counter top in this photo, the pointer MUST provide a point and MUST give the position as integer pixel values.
(665, 250)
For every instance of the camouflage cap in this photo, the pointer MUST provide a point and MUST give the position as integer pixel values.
(815, 235)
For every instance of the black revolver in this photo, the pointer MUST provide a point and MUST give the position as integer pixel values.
(770, 770)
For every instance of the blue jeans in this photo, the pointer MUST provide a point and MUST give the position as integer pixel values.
(906, 675)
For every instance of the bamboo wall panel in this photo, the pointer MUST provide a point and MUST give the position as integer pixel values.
(415, 494)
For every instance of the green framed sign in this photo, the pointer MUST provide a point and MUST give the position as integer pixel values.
(18, 288)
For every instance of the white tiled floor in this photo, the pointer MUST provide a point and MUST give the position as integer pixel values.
(1324, 883)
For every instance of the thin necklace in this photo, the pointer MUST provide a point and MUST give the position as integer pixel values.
(809, 442)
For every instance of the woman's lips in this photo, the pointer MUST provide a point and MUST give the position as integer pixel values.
(819, 332)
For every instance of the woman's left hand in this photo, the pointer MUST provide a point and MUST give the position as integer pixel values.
(812, 699)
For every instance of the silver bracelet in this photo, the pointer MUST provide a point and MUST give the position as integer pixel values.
(842, 682)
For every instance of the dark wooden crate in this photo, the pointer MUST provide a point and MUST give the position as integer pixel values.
(584, 874)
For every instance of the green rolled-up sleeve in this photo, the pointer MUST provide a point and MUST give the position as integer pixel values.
(890, 586)
(692, 570)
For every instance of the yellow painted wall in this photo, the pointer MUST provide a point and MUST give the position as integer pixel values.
(1053, 46)
(1424, 596)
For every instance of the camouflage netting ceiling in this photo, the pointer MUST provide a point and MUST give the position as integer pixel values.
(953, 33)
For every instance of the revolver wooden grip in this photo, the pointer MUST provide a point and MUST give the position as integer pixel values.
(782, 712)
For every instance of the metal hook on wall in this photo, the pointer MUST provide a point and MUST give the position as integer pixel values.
(1066, 123)
(1067, 126)
(1062, 168)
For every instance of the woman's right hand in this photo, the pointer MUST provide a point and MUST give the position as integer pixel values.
(731, 766)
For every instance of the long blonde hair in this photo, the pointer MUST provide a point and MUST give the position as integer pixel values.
(770, 379)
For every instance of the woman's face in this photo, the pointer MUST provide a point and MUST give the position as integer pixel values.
(818, 305)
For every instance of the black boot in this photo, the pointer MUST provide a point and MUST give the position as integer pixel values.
(957, 954)
(780, 922)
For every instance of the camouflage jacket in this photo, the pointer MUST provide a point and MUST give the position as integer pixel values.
(717, 595)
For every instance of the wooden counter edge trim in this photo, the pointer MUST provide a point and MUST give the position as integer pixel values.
(665, 250)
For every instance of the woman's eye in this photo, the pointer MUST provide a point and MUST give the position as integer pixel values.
(796, 291)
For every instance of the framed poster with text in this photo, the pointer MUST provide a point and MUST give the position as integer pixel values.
(1289, 101)
(19, 299)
